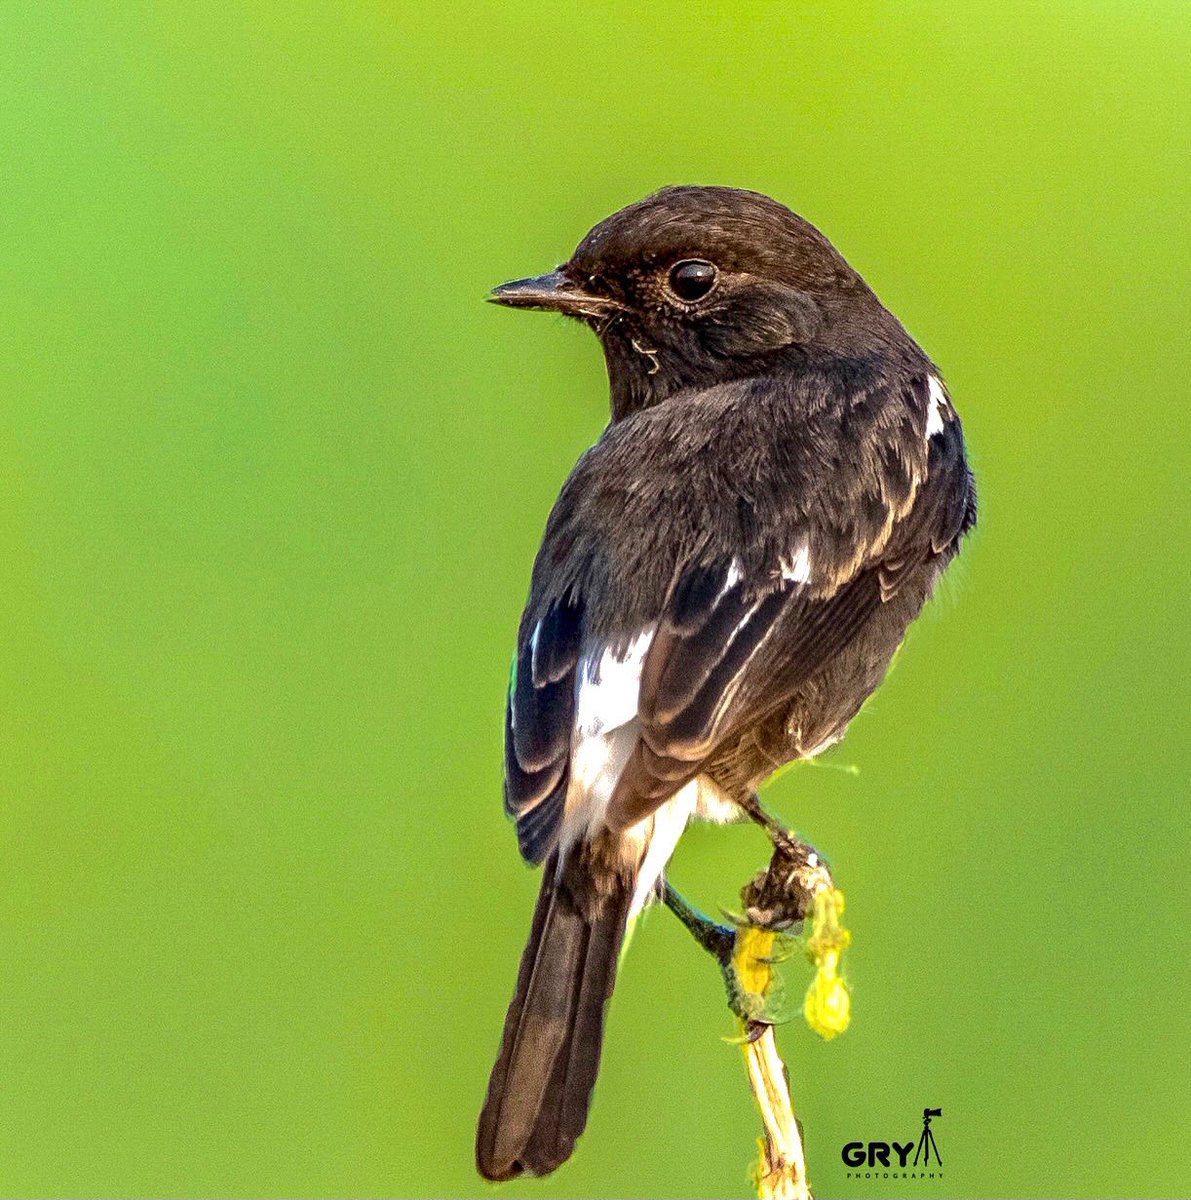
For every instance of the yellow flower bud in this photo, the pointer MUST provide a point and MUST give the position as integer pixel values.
(752, 962)
(828, 1004)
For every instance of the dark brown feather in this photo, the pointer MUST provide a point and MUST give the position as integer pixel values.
(540, 1088)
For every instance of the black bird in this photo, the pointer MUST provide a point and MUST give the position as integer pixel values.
(722, 583)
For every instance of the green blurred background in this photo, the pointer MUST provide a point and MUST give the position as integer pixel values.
(273, 477)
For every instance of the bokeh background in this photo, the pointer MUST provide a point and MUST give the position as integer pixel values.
(272, 480)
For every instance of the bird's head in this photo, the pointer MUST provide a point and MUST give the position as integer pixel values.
(695, 286)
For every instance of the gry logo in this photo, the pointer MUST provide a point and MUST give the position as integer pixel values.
(882, 1154)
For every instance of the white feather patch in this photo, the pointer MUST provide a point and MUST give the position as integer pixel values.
(797, 568)
(658, 834)
(606, 689)
(606, 731)
(940, 408)
(608, 686)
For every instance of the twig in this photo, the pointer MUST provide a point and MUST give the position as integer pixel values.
(781, 1173)
(796, 885)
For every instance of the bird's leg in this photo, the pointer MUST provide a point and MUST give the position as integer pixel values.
(720, 941)
(716, 939)
(750, 805)
(796, 886)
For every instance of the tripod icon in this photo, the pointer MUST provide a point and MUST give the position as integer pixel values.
(927, 1141)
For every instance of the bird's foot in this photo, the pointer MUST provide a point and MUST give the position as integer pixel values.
(746, 956)
(796, 890)
(783, 895)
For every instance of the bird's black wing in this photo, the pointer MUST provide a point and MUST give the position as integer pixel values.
(687, 526)
(538, 725)
(730, 648)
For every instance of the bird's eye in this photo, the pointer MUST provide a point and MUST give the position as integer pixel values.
(692, 279)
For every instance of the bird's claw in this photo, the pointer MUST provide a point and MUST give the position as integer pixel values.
(783, 895)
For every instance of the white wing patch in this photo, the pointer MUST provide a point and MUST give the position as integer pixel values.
(940, 408)
(607, 689)
(797, 568)
(607, 686)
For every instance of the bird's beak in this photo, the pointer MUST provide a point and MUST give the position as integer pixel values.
(555, 291)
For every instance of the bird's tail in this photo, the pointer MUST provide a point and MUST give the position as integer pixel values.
(541, 1086)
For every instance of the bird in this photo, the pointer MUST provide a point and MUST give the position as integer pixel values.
(722, 583)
